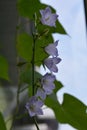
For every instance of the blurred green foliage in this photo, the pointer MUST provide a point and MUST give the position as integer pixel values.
(2, 123)
(4, 68)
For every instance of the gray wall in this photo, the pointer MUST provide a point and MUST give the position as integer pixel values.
(8, 22)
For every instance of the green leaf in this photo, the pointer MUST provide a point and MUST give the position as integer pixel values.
(20, 64)
(27, 8)
(77, 111)
(58, 29)
(3, 68)
(24, 46)
(2, 123)
(71, 111)
(40, 54)
(58, 85)
(26, 76)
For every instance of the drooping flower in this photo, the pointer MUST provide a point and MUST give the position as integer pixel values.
(47, 83)
(51, 63)
(41, 93)
(34, 106)
(51, 49)
(48, 18)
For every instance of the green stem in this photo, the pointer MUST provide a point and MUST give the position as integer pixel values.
(33, 61)
(22, 90)
(33, 53)
(33, 64)
(36, 124)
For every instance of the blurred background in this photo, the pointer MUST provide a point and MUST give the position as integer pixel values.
(72, 49)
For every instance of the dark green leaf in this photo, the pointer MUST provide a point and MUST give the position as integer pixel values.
(21, 64)
(58, 29)
(76, 111)
(24, 46)
(30, 91)
(3, 68)
(72, 111)
(40, 54)
(58, 85)
(53, 103)
(2, 123)
(28, 8)
(26, 76)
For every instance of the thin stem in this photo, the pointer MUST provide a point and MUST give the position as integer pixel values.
(21, 90)
(33, 54)
(33, 61)
(36, 124)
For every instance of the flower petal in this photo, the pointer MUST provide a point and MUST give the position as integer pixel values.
(56, 60)
(47, 83)
(48, 18)
(51, 64)
(34, 106)
(41, 93)
(51, 49)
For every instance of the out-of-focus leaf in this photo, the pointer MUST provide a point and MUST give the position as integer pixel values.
(27, 8)
(24, 46)
(3, 68)
(21, 64)
(26, 76)
(72, 111)
(2, 123)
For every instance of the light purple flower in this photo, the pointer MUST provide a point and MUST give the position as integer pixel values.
(47, 83)
(41, 93)
(51, 63)
(48, 18)
(34, 106)
(51, 49)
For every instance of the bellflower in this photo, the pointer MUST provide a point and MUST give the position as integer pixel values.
(48, 18)
(47, 83)
(41, 93)
(51, 63)
(51, 49)
(34, 106)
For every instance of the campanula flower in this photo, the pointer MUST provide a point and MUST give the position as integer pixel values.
(51, 63)
(48, 18)
(51, 49)
(47, 83)
(41, 93)
(34, 106)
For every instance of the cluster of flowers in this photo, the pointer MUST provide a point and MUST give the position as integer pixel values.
(35, 103)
